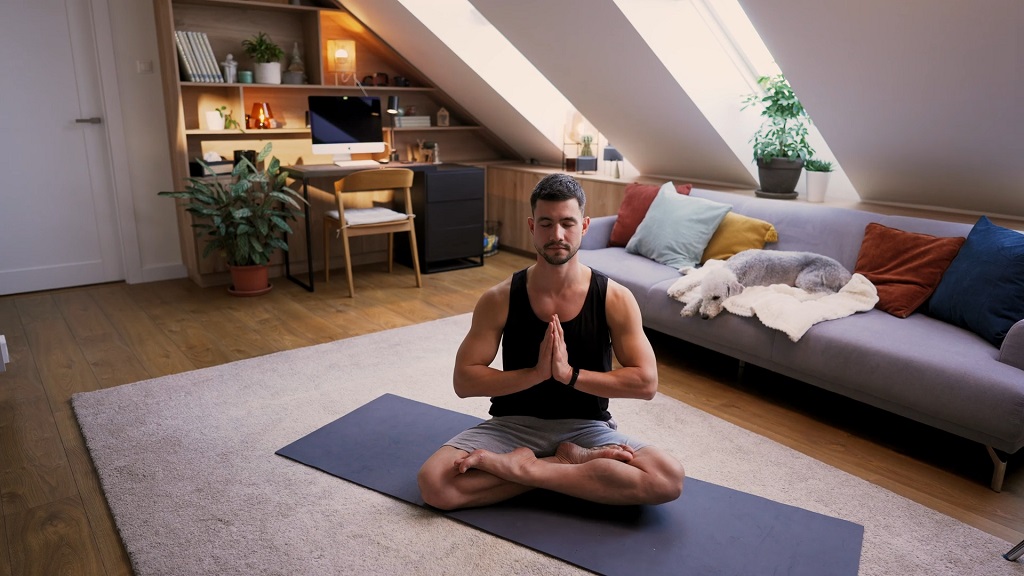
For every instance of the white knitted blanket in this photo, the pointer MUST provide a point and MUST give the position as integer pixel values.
(786, 308)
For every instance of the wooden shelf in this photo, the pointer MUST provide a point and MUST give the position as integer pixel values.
(250, 133)
(309, 87)
(436, 129)
(226, 23)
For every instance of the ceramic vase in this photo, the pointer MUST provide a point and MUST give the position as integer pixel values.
(268, 73)
(214, 120)
(817, 185)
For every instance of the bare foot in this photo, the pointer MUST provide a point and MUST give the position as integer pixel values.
(574, 454)
(511, 466)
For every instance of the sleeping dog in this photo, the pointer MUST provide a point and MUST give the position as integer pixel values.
(805, 270)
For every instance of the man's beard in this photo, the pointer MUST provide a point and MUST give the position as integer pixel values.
(557, 260)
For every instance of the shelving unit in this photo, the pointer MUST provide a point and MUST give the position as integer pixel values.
(226, 23)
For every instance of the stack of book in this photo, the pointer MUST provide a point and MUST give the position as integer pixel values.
(195, 57)
(412, 121)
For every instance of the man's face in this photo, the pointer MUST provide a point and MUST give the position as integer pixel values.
(558, 229)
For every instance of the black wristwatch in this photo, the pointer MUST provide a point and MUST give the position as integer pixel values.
(575, 375)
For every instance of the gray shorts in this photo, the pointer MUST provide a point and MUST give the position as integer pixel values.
(503, 434)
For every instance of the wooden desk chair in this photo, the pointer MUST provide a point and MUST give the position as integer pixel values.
(352, 222)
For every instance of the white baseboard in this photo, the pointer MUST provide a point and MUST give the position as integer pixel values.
(165, 272)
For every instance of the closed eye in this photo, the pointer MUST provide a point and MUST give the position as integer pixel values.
(715, 297)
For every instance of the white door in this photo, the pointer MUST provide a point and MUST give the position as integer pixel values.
(58, 213)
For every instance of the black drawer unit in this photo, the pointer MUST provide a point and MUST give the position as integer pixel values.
(449, 206)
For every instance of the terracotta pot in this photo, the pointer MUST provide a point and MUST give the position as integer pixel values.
(249, 280)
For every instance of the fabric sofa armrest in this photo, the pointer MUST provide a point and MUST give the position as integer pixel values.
(1012, 350)
(599, 233)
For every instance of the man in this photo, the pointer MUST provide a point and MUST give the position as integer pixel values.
(557, 322)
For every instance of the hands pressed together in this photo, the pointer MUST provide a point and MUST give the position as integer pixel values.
(553, 359)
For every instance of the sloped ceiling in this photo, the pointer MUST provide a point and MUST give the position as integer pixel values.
(620, 86)
(920, 100)
(390, 20)
(594, 56)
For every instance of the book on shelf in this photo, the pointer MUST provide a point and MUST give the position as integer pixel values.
(201, 63)
(186, 60)
(211, 58)
(412, 122)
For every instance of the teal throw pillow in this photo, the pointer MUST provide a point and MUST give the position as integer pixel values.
(677, 228)
(983, 288)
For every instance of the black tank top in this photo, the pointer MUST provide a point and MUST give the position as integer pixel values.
(587, 342)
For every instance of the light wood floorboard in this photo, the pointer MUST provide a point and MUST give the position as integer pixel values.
(55, 519)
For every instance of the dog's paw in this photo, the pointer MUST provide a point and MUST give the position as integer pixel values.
(690, 308)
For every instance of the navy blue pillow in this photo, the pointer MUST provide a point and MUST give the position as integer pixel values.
(983, 288)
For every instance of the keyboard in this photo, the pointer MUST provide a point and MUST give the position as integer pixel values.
(357, 164)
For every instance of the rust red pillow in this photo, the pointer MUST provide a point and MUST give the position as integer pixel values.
(635, 203)
(905, 267)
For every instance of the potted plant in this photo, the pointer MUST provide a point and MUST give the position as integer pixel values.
(818, 173)
(244, 218)
(267, 56)
(220, 119)
(780, 144)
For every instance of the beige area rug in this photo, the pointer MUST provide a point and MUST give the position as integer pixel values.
(187, 464)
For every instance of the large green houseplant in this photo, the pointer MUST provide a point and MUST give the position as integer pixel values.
(245, 218)
(780, 144)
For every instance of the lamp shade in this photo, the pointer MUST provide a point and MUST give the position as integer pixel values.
(392, 104)
(611, 154)
(261, 115)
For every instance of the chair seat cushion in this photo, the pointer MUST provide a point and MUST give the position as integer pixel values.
(363, 216)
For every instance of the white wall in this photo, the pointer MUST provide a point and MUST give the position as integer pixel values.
(146, 142)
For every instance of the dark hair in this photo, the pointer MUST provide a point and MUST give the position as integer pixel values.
(558, 187)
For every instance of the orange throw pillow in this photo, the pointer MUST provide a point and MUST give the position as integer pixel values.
(905, 267)
(635, 202)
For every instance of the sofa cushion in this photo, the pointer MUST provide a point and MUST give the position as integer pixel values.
(677, 228)
(905, 267)
(737, 233)
(635, 203)
(983, 288)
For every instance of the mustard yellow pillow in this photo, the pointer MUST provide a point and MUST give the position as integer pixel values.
(737, 233)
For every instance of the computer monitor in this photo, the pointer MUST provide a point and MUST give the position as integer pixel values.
(345, 125)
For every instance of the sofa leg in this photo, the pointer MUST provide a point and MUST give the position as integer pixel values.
(1015, 553)
(998, 469)
(739, 370)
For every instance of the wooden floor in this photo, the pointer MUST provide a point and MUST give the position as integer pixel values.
(56, 521)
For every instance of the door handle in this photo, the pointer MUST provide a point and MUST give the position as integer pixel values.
(93, 120)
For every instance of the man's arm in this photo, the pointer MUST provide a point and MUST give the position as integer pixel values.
(473, 373)
(638, 376)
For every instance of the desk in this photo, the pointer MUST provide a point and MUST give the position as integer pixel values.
(307, 172)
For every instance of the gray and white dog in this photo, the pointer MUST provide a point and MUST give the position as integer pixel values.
(805, 270)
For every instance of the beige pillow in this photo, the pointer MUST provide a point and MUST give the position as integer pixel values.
(737, 233)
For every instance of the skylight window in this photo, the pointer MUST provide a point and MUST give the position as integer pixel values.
(715, 54)
(481, 46)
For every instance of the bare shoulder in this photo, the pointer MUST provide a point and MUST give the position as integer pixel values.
(619, 300)
(492, 307)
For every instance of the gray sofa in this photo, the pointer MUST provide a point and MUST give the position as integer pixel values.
(918, 367)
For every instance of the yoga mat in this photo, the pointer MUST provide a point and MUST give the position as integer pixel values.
(709, 530)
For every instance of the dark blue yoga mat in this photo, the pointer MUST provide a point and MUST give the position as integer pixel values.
(710, 530)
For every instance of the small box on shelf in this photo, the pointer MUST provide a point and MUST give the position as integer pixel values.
(221, 168)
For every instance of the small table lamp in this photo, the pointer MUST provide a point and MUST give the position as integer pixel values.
(261, 115)
(613, 155)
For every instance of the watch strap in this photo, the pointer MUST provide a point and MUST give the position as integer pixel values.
(575, 375)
